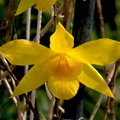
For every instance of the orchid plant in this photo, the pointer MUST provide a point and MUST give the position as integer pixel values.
(62, 66)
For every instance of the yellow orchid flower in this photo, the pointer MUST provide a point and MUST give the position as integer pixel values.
(61, 65)
(42, 5)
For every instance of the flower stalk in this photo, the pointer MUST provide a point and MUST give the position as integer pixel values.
(84, 11)
(110, 101)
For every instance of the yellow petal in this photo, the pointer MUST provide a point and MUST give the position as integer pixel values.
(44, 5)
(24, 5)
(101, 52)
(23, 52)
(61, 40)
(92, 79)
(63, 88)
(34, 78)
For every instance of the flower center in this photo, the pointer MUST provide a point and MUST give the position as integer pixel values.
(63, 65)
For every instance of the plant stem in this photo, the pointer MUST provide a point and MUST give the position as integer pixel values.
(56, 110)
(17, 82)
(50, 112)
(83, 19)
(100, 17)
(8, 22)
(108, 79)
(111, 86)
(68, 10)
(49, 24)
(39, 21)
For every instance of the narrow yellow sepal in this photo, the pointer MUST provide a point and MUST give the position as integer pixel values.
(32, 80)
(92, 79)
(100, 52)
(24, 52)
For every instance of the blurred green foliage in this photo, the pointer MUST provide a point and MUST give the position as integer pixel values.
(7, 108)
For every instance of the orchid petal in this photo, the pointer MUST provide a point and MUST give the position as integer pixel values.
(44, 5)
(92, 79)
(34, 78)
(61, 40)
(23, 52)
(101, 52)
(63, 88)
(24, 5)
